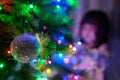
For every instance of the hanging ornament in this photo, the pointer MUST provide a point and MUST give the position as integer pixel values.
(25, 48)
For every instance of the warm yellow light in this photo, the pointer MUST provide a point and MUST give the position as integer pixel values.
(48, 70)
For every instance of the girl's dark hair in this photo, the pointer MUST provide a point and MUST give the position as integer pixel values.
(101, 21)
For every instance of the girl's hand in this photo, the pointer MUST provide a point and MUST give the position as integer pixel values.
(74, 77)
(87, 64)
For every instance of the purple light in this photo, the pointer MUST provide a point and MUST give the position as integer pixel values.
(76, 77)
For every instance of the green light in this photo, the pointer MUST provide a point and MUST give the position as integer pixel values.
(66, 19)
(42, 78)
(0, 7)
(58, 6)
(39, 78)
(31, 6)
(1, 65)
(72, 2)
(60, 54)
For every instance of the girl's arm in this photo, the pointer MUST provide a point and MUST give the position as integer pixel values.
(99, 74)
(103, 49)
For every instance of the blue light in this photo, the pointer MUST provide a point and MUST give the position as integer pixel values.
(61, 38)
(79, 43)
(58, 0)
(33, 62)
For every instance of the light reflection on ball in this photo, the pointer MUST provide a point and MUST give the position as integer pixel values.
(25, 48)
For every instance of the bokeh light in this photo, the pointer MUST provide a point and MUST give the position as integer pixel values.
(66, 60)
(70, 46)
(59, 41)
(9, 52)
(2, 65)
(74, 49)
(39, 79)
(58, 0)
(72, 2)
(31, 5)
(49, 62)
(58, 6)
(60, 55)
(1, 7)
(76, 77)
(42, 78)
(79, 43)
(48, 71)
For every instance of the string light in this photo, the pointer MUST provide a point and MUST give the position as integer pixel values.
(58, 6)
(66, 60)
(74, 49)
(42, 78)
(70, 46)
(60, 54)
(0, 7)
(76, 77)
(48, 71)
(49, 62)
(1, 65)
(31, 5)
(9, 52)
(59, 41)
(39, 79)
(79, 43)
(58, 0)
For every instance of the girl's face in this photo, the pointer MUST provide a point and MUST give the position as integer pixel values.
(88, 32)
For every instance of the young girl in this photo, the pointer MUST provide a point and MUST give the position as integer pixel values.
(94, 30)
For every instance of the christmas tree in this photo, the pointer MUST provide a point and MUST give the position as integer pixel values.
(49, 21)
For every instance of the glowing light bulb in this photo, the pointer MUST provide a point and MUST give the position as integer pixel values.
(76, 77)
(9, 52)
(39, 79)
(0, 7)
(79, 43)
(60, 54)
(58, 6)
(66, 60)
(74, 49)
(31, 6)
(58, 0)
(49, 62)
(48, 71)
(1, 65)
(70, 46)
(59, 41)
(42, 78)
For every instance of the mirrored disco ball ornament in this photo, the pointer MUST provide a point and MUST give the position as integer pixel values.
(25, 48)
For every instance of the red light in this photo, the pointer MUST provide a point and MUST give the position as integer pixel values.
(9, 52)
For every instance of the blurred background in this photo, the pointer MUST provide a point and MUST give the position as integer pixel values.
(112, 8)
